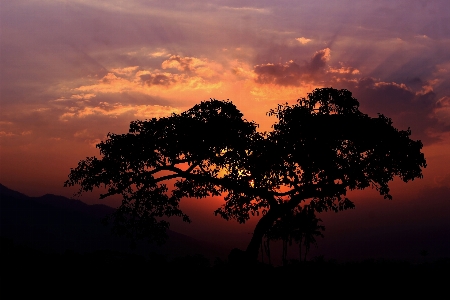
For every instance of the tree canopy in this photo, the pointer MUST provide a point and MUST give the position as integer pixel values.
(319, 148)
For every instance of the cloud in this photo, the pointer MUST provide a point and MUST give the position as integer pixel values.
(79, 97)
(164, 79)
(5, 133)
(201, 67)
(159, 53)
(82, 133)
(303, 40)
(442, 110)
(247, 9)
(9, 133)
(291, 73)
(182, 73)
(110, 83)
(125, 71)
(344, 70)
(406, 107)
(182, 63)
(117, 109)
(241, 70)
(280, 74)
(319, 59)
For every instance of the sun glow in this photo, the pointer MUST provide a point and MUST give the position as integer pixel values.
(252, 182)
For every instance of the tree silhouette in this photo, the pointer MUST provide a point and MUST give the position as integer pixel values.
(301, 225)
(319, 148)
(282, 230)
(307, 230)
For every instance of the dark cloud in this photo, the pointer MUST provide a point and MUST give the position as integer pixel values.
(157, 79)
(292, 73)
(319, 60)
(381, 96)
(404, 106)
(287, 74)
(443, 103)
(186, 64)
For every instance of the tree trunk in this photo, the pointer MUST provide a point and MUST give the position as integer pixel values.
(306, 251)
(267, 246)
(284, 255)
(262, 251)
(300, 250)
(261, 228)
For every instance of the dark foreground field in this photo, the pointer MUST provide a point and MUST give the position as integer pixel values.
(36, 233)
(108, 272)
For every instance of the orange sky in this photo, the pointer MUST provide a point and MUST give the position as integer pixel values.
(72, 71)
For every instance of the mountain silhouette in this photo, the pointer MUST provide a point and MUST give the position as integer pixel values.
(56, 224)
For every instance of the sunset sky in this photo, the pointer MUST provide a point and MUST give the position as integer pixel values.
(72, 71)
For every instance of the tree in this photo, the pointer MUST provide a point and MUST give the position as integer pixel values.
(282, 229)
(319, 149)
(302, 225)
(307, 230)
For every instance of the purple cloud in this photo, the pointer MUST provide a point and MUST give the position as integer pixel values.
(292, 73)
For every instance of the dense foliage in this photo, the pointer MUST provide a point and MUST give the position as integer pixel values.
(319, 149)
